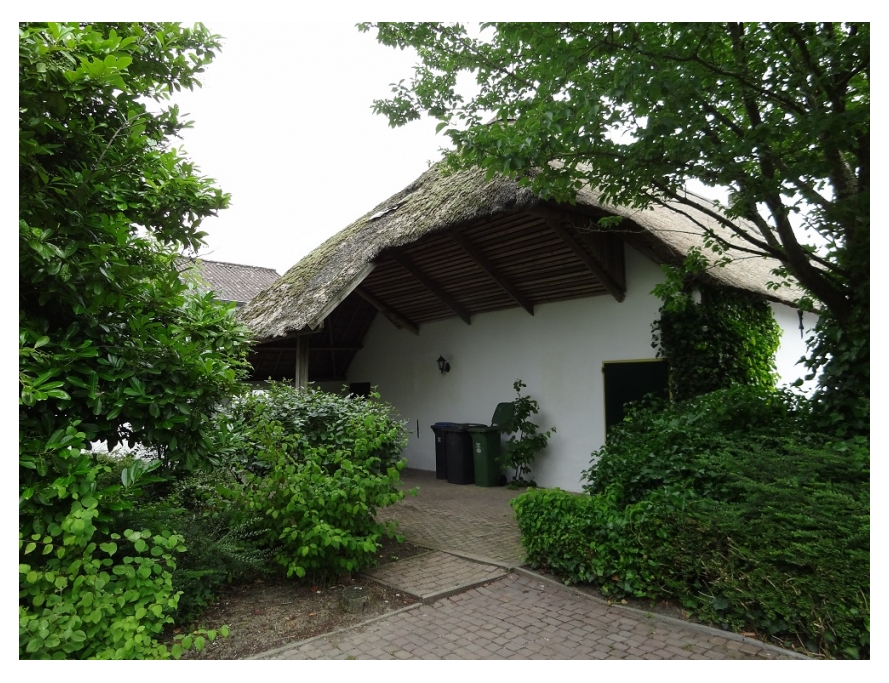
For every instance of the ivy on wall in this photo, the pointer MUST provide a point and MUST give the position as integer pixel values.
(728, 337)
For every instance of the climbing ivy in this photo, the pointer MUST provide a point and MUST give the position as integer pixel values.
(728, 338)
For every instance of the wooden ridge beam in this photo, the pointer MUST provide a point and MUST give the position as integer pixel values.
(432, 286)
(601, 272)
(394, 316)
(495, 274)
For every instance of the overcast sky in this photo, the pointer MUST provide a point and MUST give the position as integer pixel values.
(286, 127)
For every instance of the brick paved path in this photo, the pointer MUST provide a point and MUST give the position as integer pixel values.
(471, 520)
(520, 617)
(509, 616)
(435, 575)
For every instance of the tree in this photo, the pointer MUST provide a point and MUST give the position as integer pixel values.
(113, 345)
(777, 113)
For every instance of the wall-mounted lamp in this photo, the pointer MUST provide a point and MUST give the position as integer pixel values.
(443, 365)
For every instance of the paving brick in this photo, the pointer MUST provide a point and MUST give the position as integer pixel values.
(514, 616)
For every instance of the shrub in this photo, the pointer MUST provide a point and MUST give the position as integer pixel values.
(85, 591)
(312, 469)
(660, 444)
(526, 441)
(310, 420)
(220, 549)
(732, 506)
(590, 539)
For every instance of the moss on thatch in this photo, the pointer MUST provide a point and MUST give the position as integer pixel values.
(439, 201)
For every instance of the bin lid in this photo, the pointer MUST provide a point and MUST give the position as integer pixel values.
(450, 426)
(476, 429)
(503, 416)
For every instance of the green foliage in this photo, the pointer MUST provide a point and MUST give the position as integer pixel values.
(86, 592)
(89, 604)
(668, 444)
(730, 337)
(220, 549)
(526, 441)
(776, 113)
(113, 345)
(319, 512)
(309, 419)
(311, 470)
(590, 539)
(198, 639)
(108, 333)
(842, 357)
(729, 504)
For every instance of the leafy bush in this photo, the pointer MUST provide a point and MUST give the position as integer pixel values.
(526, 441)
(318, 519)
(311, 470)
(85, 591)
(729, 504)
(590, 539)
(311, 421)
(662, 443)
(220, 549)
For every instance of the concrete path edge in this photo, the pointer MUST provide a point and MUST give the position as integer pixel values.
(353, 627)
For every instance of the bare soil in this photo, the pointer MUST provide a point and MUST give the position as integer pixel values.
(270, 613)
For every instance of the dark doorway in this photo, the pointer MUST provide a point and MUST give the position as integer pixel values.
(361, 389)
(627, 381)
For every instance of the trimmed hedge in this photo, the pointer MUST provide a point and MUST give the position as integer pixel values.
(707, 503)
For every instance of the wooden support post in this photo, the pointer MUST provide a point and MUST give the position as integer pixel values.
(552, 220)
(394, 316)
(495, 274)
(301, 374)
(432, 286)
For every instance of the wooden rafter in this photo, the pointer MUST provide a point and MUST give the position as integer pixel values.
(394, 316)
(432, 286)
(495, 274)
(599, 270)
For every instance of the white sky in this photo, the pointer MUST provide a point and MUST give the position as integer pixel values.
(287, 129)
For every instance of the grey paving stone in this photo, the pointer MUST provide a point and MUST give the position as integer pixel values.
(515, 616)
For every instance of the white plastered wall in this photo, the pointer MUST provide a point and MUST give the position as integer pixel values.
(558, 353)
(792, 346)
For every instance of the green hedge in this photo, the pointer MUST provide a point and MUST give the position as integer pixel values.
(707, 504)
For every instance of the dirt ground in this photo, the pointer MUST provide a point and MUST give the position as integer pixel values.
(271, 613)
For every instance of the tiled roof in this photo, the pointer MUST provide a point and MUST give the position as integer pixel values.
(231, 281)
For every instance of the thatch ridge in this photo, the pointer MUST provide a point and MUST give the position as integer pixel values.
(440, 200)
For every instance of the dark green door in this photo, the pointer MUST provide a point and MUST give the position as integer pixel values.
(627, 381)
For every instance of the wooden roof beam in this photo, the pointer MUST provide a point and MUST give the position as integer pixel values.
(551, 218)
(432, 286)
(495, 274)
(394, 316)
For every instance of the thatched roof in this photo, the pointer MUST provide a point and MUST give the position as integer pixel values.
(438, 201)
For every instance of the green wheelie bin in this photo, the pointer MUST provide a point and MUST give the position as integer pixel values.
(486, 445)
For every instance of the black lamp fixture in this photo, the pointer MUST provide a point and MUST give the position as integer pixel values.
(443, 365)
